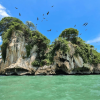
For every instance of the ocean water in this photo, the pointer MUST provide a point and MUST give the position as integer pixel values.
(64, 87)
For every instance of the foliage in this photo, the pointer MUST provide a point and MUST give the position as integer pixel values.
(35, 63)
(28, 48)
(45, 62)
(87, 52)
(6, 22)
(8, 25)
(61, 44)
(30, 25)
(42, 42)
(6, 35)
(69, 34)
(3, 49)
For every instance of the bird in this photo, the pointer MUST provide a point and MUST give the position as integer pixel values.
(43, 14)
(19, 14)
(37, 18)
(85, 24)
(36, 24)
(56, 31)
(74, 25)
(16, 8)
(46, 20)
(43, 18)
(47, 12)
(81, 33)
(49, 30)
(51, 6)
(86, 29)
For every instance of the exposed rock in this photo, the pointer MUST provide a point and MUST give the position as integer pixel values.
(15, 51)
(46, 70)
(18, 63)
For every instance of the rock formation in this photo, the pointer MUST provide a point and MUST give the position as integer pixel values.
(17, 62)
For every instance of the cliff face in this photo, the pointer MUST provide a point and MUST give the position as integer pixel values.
(14, 56)
(63, 63)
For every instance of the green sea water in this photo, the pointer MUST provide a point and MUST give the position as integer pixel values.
(64, 87)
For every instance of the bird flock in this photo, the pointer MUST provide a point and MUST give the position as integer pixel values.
(44, 18)
(38, 18)
(83, 25)
(47, 20)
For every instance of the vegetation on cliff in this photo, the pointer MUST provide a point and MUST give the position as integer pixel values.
(33, 37)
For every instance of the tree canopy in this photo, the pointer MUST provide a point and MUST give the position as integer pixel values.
(30, 25)
(69, 34)
(6, 22)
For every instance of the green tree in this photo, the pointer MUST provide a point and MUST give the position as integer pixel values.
(6, 22)
(69, 34)
(92, 47)
(30, 25)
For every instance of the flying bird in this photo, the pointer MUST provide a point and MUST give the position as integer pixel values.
(49, 30)
(46, 20)
(36, 24)
(16, 8)
(19, 14)
(43, 18)
(43, 14)
(56, 31)
(74, 25)
(37, 18)
(51, 6)
(47, 12)
(85, 24)
(81, 33)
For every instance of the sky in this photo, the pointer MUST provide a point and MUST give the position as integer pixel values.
(64, 14)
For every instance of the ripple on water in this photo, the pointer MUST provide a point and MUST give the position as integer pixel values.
(50, 87)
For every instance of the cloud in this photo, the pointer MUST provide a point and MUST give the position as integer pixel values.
(3, 12)
(94, 40)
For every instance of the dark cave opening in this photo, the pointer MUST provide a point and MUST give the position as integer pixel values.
(62, 60)
(14, 74)
(60, 72)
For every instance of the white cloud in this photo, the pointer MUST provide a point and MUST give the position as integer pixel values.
(3, 12)
(94, 40)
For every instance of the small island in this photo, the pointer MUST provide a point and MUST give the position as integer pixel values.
(26, 51)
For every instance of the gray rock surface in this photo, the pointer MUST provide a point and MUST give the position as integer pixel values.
(67, 63)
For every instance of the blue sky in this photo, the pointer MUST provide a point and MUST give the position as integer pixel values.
(64, 14)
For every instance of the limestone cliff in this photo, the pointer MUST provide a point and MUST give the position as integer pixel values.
(64, 63)
(14, 56)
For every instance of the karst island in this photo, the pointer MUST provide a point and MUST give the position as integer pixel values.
(26, 51)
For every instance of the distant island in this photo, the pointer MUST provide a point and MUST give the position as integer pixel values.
(26, 51)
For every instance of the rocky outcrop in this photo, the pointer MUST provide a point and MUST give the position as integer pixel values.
(15, 53)
(70, 64)
(17, 62)
(46, 70)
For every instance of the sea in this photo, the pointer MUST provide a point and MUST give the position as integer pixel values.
(49, 87)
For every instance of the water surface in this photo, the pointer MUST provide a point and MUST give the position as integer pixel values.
(64, 87)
